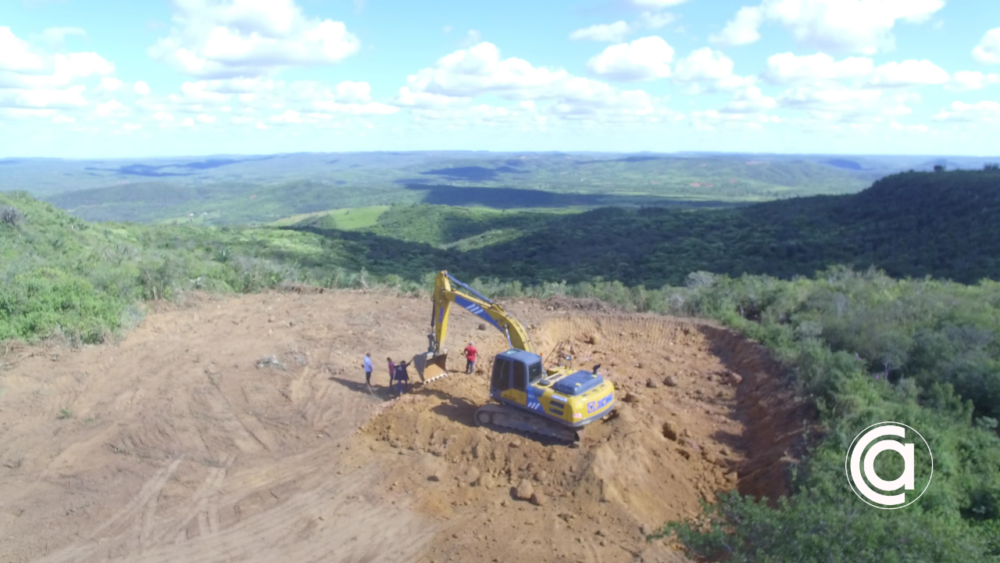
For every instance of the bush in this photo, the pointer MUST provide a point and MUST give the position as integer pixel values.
(10, 215)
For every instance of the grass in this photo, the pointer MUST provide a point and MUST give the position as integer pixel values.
(341, 219)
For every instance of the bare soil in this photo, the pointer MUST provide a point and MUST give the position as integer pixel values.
(241, 429)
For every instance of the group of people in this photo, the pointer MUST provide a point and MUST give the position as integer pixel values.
(397, 373)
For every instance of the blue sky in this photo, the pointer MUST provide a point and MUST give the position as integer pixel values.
(115, 78)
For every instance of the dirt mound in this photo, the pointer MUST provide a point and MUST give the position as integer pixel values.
(228, 429)
(673, 444)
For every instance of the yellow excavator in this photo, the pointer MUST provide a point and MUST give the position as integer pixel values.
(557, 402)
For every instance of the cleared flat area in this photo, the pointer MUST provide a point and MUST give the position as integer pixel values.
(240, 429)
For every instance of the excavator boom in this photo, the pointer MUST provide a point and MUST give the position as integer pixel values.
(448, 291)
(555, 403)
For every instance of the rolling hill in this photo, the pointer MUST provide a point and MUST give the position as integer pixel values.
(230, 189)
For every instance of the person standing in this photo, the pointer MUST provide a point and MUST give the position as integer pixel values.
(402, 377)
(367, 364)
(470, 357)
(392, 371)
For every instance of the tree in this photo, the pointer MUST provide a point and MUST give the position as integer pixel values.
(939, 168)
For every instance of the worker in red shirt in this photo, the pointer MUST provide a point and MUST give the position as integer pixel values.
(470, 357)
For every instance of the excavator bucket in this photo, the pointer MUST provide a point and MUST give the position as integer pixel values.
(431, 367)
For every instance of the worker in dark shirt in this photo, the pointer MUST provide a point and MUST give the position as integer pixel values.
(402, 377)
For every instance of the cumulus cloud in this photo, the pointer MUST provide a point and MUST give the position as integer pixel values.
(56, 36)
(985, 111)
(31, 79)
(909, 73)
(853, 26)
(834, 100)
(647, 58)
(479, 70)
(655, 4)
(141, 88)
(972, 80)
(655, 20)
(110, 84)
(788, 67)
(706, 68)
(446, 90)
(742, 29)
(750, 100)
(254, 95)
(213, 39)
(611, 32)
(988, 50)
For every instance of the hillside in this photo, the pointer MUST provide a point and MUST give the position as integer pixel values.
(854, 349)
(240, 190)
(911, 224)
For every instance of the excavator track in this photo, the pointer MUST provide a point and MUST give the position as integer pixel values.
(502, 416)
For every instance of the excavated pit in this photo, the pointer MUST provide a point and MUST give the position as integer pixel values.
(242, 429)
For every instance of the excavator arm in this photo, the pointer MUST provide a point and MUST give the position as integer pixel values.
(446, 292)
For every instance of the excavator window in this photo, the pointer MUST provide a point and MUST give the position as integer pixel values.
(534, 372)
(520, 377)
(501, 374)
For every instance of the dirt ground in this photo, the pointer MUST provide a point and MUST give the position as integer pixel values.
(240, 429)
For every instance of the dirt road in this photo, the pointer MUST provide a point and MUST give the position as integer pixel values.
(240, 429)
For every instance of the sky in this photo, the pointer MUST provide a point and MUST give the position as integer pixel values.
(127, 78)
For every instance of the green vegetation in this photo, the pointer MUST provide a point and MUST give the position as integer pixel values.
(342, 219)
(937, 341)
(241, 190)
(65, 414)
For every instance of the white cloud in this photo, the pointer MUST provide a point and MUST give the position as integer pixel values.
(655, 4)
(43, 97)
(163, 117)
(656, 20)
(988, 50)
(21, 67)
(109, 84)
(141, 88)
(609, 32)
(706, 67)
(289, 116)
(834, 101)
(213, 39)
(259, 94)
(409, 98)
(972, 80)
(60, 118)
(131, 126)
(742, 29)
(855, 26)
(985, 111)
(203, 118)
(479, 70)
(909, 73)
(188, 122)
(909, 128)
(647, 58)
(56, 36)
(16, 54)
(788, 67)
(445, 93)
(472, 37)
(109, 108)
(750, 100)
